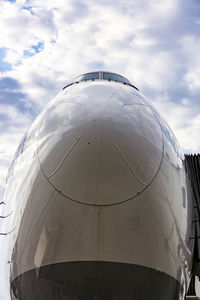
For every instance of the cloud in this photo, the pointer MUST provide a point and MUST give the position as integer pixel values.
(36, 27)
(11, 94)
(184, 120)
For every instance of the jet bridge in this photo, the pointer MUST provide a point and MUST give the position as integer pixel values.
(193, 168)
(192, 163)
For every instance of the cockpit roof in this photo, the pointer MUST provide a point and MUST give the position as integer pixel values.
(100, 75)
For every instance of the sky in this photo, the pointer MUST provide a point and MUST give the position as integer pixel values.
(44, 44)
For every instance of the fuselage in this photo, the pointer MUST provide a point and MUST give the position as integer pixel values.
(100, 201)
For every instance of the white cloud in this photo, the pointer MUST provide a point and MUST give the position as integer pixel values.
(190, 49)
(192, 79)
(184, 120)
(20, 29)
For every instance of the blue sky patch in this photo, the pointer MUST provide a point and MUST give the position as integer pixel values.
(34, 49)
(28, 53)
(38, 47)
(29, 8)
(4, 66)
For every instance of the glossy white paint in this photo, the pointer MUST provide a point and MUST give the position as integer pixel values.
(99, 176)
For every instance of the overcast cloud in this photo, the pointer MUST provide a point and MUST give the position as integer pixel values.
(43, 44)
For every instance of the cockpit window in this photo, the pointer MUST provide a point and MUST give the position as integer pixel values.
(115, 77)
(101, 76)
(89, 76)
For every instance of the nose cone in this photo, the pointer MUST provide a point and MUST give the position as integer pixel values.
(99, 154)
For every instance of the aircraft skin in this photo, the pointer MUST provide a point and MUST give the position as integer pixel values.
(98, 200)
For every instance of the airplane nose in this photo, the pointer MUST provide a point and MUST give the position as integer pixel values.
(100, 158)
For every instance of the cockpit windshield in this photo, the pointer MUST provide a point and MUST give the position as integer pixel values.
(88, 76)
(100, 76)
(115, 77)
